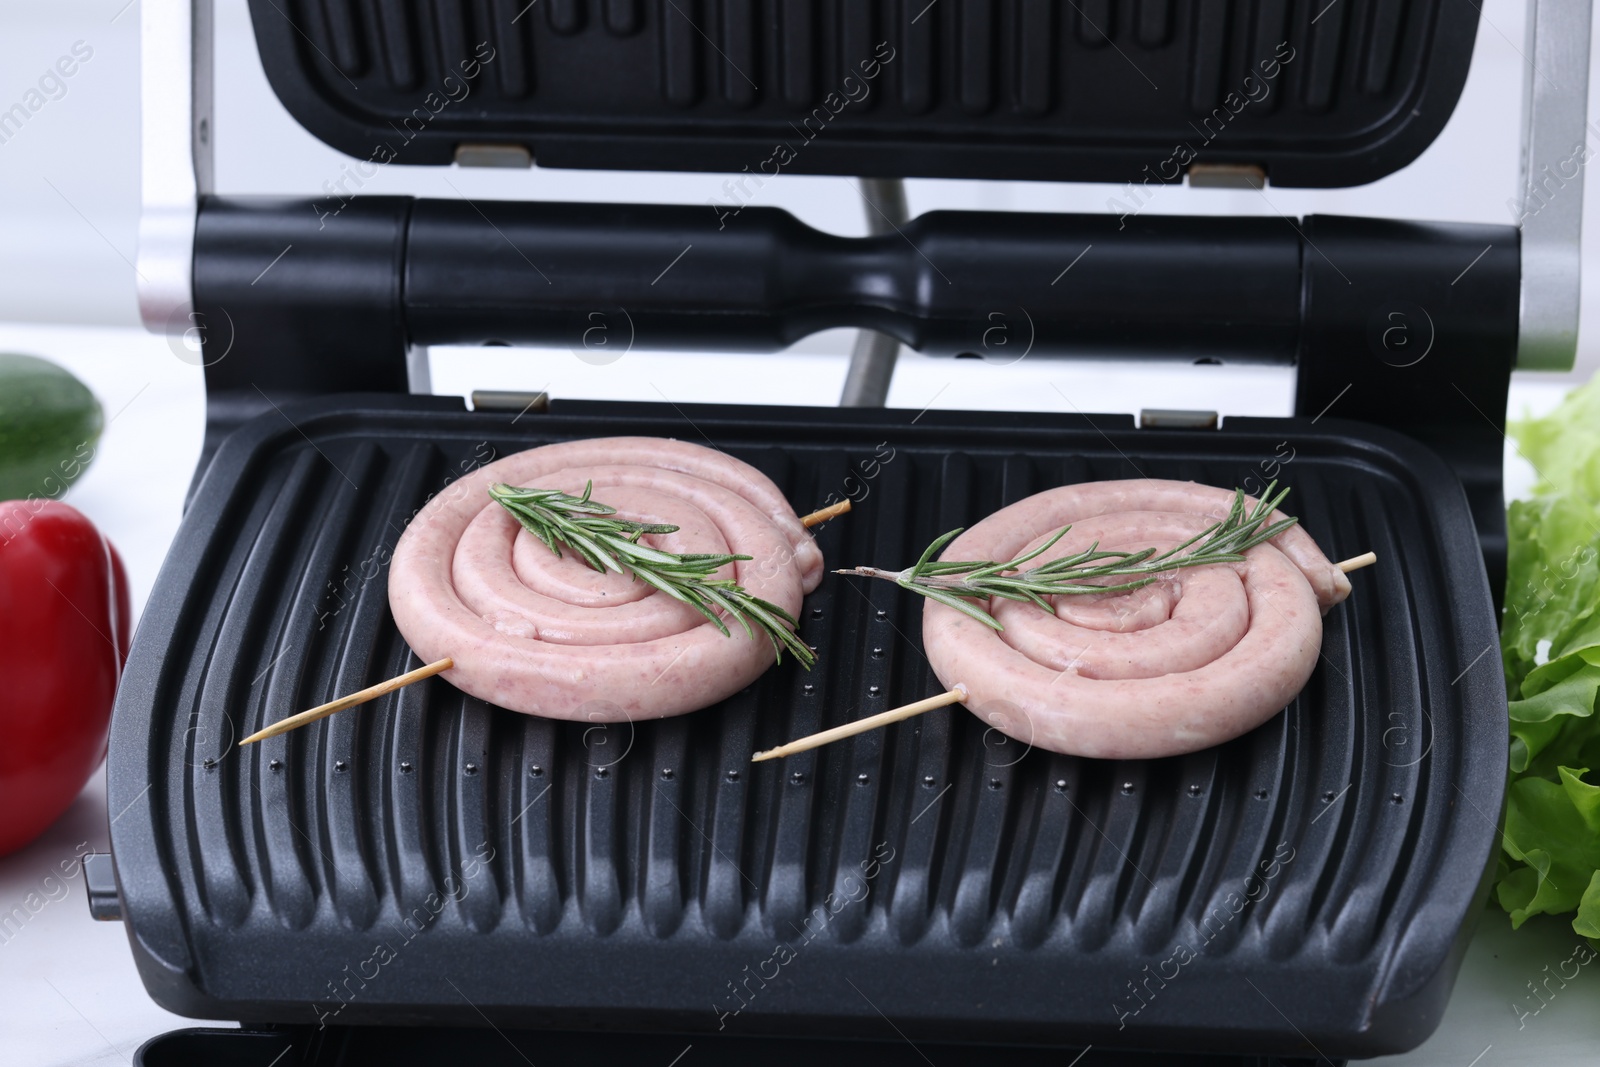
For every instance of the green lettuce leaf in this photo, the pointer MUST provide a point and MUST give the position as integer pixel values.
(1552, 581)
(1564, 446)
(1550, 646)
(1557, 725)
(1587, 924)
(1553, 827)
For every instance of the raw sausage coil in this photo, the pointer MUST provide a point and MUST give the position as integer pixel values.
(1196, 658)
(550, 636)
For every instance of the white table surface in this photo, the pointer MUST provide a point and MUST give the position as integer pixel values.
(68, 984)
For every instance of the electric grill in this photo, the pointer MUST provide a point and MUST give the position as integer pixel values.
(435, 878)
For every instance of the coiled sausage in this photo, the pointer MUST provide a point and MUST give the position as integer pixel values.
(548, 635)
(1196, 658)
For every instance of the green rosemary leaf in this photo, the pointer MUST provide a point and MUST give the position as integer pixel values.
(1016, 564)
(933, 549)
(726, 600)
(957, 583)
(608, 543)
(951, 600)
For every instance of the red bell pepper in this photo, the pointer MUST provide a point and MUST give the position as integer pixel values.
(64, 632)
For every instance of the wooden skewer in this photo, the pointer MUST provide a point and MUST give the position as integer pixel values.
(860, 726)
(1355, 563)
(804, 744)
(824, 514)
(372, 692)
(954, 696)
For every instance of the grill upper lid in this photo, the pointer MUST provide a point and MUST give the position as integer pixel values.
(1315, 95)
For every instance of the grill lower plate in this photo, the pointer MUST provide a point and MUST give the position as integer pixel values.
(430, 859)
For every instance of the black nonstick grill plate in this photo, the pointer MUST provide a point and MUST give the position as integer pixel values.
(432, 861)
(1032, 89)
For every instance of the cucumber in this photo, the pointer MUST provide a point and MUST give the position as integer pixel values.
(50, 424)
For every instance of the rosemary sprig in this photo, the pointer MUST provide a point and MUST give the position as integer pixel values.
(607, 543)
(956, 582)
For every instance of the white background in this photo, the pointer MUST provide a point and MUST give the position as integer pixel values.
(68, 220)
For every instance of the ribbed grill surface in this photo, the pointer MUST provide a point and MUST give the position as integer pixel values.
(628, 875)
(1222, 76)
(1006, 54)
